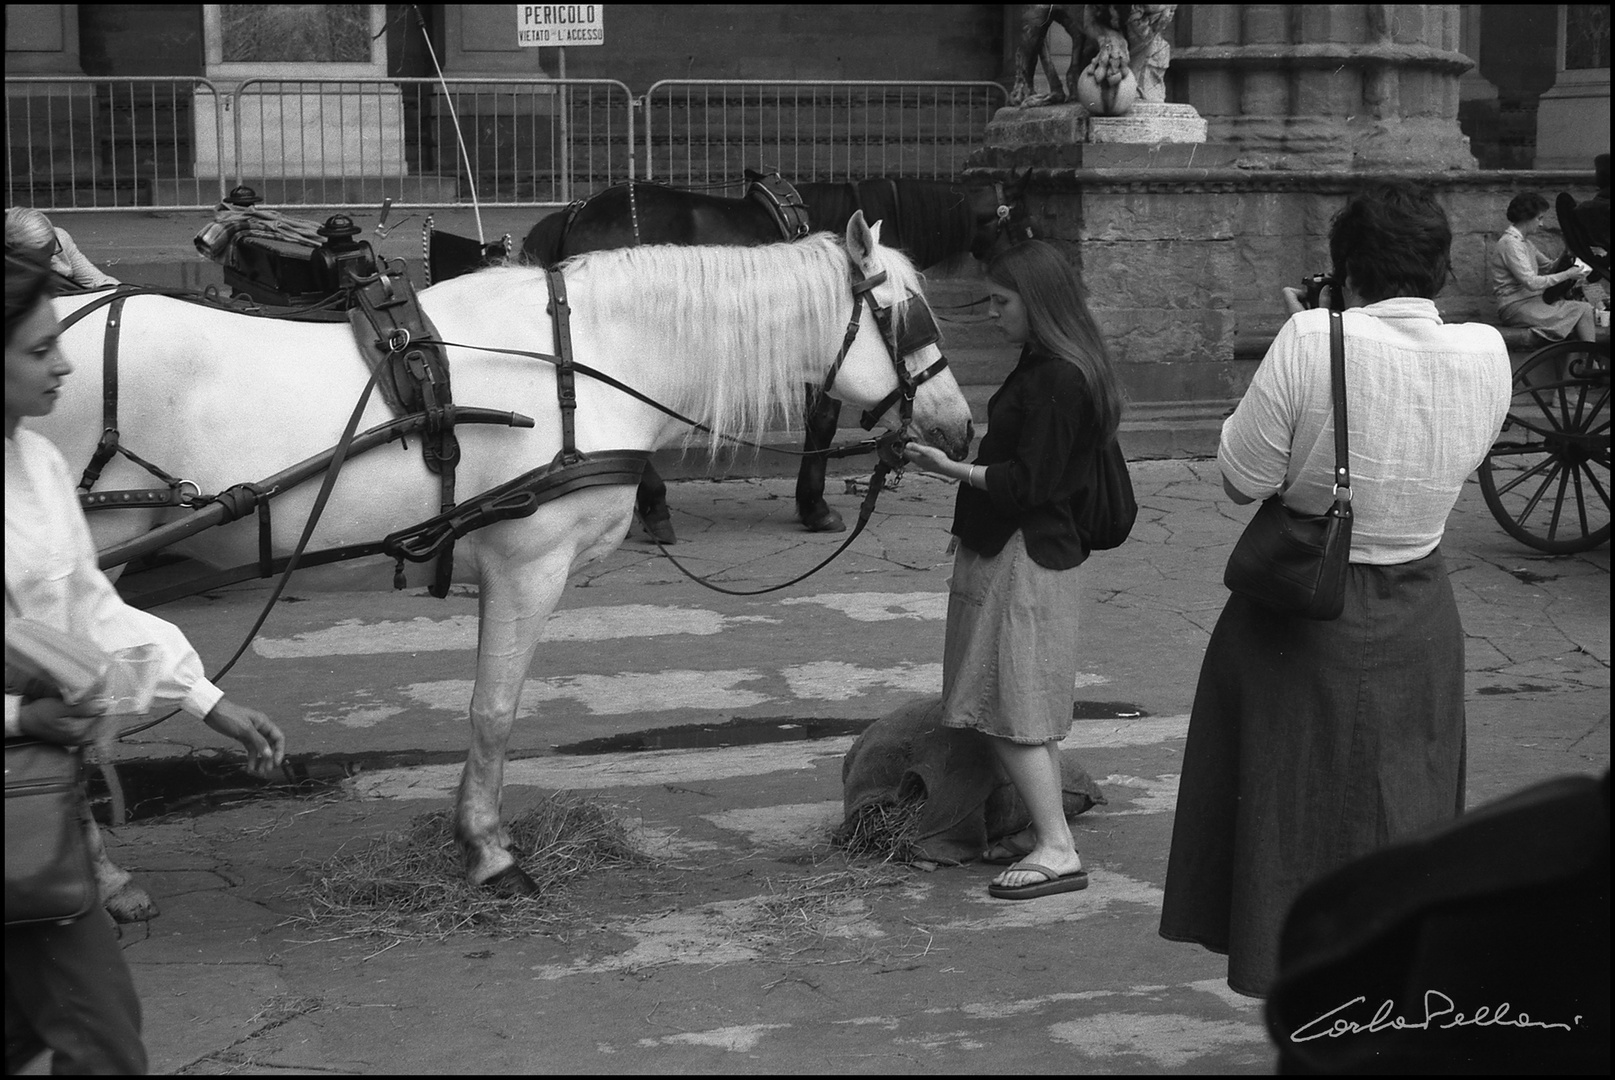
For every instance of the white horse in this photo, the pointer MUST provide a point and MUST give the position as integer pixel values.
(726, 335)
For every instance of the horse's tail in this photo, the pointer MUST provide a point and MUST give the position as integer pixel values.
(542, 247)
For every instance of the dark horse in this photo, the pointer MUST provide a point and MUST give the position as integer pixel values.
(929, 220)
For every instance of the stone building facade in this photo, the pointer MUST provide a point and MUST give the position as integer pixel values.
(1186, 254)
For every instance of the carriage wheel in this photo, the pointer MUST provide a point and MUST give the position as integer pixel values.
(1546, 479)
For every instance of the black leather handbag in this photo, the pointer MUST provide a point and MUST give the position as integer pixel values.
(50, 876)
(1296, 563)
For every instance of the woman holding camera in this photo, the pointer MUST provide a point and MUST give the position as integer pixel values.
(1521, 275)
(68, 987)
(1313, 742)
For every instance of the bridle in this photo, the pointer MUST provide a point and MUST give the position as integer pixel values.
(1014, 224)
(919, 330)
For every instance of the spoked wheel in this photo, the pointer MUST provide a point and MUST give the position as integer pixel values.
(1546, 479)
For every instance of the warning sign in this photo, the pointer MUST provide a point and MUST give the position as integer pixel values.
(560, 24)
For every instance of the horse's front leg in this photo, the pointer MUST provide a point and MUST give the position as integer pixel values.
(822, 415)
(515, 599)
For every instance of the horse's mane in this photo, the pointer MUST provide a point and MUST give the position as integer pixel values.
(929, 220)
(755, 321)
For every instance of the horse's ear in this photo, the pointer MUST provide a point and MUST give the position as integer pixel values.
(861, 239)
(874, 231)
(1021, 176)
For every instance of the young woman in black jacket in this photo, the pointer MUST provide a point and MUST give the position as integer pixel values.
(1010, 659)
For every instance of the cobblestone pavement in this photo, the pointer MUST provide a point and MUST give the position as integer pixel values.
(748, 945)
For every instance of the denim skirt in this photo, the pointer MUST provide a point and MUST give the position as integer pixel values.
(1009, 664)
(1310, 744)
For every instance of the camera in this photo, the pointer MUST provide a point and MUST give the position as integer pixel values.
(1312, 291)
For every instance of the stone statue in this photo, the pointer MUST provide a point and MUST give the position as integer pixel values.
(1119, 55)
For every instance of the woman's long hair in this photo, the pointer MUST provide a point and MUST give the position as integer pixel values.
(1061, 324)
(29, 282)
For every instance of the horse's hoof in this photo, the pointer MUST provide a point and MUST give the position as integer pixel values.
(512, 881)
(660, 529)
(824, 520)
(131, 904)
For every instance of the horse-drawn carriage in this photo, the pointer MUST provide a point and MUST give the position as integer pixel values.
(615, 357)
(1546, 479)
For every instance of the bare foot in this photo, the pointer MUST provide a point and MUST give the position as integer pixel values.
(1008, 849)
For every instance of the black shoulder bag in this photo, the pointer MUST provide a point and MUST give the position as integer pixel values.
(50, 874)
(1107, 508)
(1296, 563)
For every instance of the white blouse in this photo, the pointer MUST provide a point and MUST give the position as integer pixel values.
(1425, 400)
(52, 576)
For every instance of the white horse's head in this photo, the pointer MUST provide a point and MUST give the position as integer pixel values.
(896, 352)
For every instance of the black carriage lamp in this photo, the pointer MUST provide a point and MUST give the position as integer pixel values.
(342, 256)
(242, 196)
(339, 232)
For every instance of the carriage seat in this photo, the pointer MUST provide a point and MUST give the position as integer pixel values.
(289, 270)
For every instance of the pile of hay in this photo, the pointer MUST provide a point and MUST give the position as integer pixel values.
(885, 831)
(828, 918)
(412, 885)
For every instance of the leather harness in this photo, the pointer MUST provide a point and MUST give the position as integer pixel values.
(782, 202)
(416, 369)
(418, 365)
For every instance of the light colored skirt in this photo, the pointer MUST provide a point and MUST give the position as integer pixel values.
(1552, 322)
(1010, 660)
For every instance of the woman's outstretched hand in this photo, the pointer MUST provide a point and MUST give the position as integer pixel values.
(265, 745)
(931, 460)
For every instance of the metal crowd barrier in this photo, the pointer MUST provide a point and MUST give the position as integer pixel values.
(337, 142)
(94, 143)
(105, 143)
(704, 133)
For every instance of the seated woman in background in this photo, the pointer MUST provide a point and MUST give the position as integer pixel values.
(30, 229)
(1521, 274)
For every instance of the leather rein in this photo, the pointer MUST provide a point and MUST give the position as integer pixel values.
(571, 470)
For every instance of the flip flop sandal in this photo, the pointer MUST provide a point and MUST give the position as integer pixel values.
(1052, 883)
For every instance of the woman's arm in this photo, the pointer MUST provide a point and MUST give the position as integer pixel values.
(1253, 451)
(78, 265)
(1520, 258)
(174, 672)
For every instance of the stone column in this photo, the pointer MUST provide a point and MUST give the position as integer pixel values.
(1573, 117)
(1317, 86)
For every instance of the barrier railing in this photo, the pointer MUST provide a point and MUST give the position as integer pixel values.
(703, 133)
(338, 142)
(92, 143)
(105, 143)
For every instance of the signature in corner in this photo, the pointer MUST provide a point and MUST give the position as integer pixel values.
(1440, 1013)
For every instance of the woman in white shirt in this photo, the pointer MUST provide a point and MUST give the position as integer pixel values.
(29, 228)
(1311, 743)
(1521, 274)
(67, 986)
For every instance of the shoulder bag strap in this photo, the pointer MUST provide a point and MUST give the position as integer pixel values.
(1337, 370)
